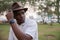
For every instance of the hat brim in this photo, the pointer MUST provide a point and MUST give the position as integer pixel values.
(25, 9)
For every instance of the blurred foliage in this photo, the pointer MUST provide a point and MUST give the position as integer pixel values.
(6, 4)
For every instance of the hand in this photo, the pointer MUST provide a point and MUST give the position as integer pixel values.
(9, 15)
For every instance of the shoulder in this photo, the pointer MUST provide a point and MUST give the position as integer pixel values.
(30, 21)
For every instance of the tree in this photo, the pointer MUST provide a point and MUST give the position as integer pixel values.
(57, 10)
(6, 4)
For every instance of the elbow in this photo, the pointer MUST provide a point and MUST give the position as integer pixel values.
(25, 38)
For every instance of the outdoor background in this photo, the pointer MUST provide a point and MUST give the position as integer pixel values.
(45, 12)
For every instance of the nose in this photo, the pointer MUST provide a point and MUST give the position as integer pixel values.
(20, 16)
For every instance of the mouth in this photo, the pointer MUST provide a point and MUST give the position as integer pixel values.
(20, 21)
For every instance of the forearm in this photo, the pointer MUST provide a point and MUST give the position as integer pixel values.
(19, 34)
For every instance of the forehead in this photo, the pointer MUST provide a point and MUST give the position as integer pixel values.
(19, 12)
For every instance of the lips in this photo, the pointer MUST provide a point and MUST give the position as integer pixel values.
(20, 20)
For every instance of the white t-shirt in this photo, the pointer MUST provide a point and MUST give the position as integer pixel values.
(29, 27)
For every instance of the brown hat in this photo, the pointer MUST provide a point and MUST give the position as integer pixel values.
(18, 6)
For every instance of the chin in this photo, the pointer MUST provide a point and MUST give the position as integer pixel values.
(20, 22)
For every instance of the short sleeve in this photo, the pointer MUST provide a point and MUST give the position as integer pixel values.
(32, 29)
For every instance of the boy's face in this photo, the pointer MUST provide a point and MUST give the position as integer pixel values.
(20, 16)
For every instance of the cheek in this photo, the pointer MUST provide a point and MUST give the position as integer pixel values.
(20, 17)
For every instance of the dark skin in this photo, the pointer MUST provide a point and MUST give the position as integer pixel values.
(20, 18)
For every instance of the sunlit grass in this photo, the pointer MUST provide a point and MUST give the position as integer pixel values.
(46, 32)
(4, 30)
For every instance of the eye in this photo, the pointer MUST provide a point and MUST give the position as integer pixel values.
(22, 12)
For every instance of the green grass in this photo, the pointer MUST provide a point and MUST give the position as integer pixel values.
(46, 32)
(4, 30)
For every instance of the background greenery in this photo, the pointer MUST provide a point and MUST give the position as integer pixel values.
(6, 4)
(46, 32)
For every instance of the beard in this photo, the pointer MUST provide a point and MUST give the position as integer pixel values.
(20, 21)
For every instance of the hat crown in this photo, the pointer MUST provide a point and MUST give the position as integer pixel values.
(16, 5)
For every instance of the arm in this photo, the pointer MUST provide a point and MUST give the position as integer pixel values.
(18, 33)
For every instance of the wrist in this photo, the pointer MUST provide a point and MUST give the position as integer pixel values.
(11, 21)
